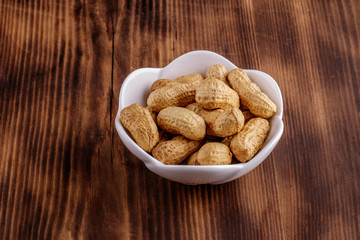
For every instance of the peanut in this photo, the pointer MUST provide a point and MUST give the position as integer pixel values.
(212, 153)
(176, 150)
(190, 78)
(177, 95)
(220, 122)
(213, 93)
(249, 140)
(178, 120)
(250, 94)
(162, 83)
(228, 123)
(194, 77)
(217, 71)
(138, 121)
(193, 159)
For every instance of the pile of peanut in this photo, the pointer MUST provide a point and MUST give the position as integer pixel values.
(200, 121)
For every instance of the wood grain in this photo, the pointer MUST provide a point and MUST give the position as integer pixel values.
(65, 174)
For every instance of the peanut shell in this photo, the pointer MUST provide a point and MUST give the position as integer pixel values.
(190, 78)
(217, 71)
(177, 95)
(176, 150)
(249, 140)
(193, 159)
(213, 153)
(141, 126)
(193, 77)
(162, 83)
(178, 120)
(228, 123)
(213, 93)
(250, 94)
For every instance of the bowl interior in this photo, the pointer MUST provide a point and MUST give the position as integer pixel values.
(135, 89)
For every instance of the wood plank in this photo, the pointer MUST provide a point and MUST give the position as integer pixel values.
(58, 117)
(65, 174)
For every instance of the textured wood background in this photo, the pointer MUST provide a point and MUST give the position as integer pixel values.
(65, 174)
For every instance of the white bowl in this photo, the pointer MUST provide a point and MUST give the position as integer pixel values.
(135, 89)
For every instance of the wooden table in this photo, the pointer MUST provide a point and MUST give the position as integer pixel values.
(65, 174)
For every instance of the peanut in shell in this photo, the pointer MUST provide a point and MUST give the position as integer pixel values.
(175, 95)
(250, 94)
(213, 153)
(178, 120)
(142, 127)
(213, 94)
(217, 71)
(249, 140)
(176, 150)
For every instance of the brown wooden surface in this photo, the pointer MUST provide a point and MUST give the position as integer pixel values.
(65, 174)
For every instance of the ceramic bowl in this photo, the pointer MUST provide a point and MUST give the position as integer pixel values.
(135, 89)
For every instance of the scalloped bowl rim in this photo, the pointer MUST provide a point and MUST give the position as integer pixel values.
(186, 174)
